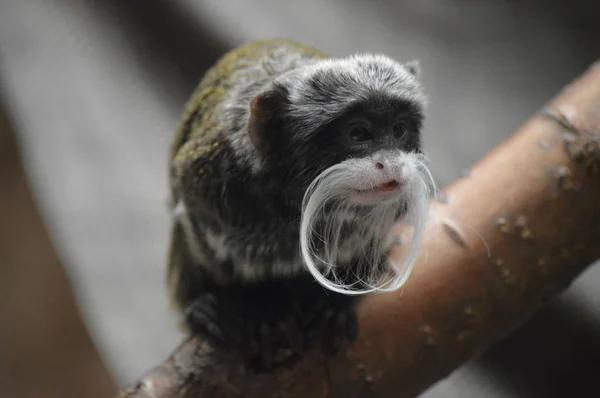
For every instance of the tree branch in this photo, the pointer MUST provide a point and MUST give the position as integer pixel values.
(534, 203)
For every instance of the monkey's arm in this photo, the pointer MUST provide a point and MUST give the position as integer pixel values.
(184, 272)
(541, 229)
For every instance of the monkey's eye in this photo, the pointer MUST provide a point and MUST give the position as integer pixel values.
(360, 134)
(400, 129)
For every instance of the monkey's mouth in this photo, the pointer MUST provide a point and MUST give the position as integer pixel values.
(388, 186)
(376, 194)
(385, 187)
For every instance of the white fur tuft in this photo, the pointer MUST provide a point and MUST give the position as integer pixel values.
(332, 190)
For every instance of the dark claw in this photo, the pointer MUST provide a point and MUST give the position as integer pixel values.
(335, 333)
(211, 317)
(266, 348)
(292, 334)
(340, 326)
(312, 315)
(201, 322)
(352, 327)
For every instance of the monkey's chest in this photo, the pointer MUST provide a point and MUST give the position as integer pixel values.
(251, 253)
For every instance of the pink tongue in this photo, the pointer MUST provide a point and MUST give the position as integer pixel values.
(388, 186)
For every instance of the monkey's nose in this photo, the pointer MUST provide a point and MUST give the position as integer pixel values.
(380, 162)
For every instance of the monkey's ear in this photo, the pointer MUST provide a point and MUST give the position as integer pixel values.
(265, 113)
(413, 67)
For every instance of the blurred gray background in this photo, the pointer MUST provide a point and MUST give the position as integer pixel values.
(95, 89)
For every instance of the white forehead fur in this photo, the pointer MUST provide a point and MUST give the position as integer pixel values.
(319, 92)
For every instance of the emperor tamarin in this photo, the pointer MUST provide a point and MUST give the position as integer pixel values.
(288, 172)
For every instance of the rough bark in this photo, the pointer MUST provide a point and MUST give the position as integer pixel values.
(510, 237)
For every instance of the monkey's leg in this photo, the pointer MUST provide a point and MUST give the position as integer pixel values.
(272, 323)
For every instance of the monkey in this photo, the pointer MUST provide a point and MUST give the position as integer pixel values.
(288, 171)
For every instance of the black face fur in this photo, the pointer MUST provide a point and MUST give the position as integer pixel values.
(295, 158)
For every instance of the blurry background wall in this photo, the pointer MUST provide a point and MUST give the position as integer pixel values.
(95, 88)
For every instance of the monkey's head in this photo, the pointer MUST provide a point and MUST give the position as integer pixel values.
(343, 135)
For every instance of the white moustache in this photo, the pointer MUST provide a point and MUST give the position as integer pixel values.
(345, 185)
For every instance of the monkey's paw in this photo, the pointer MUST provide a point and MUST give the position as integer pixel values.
(335, 324)
(273, 325)
(264, 338)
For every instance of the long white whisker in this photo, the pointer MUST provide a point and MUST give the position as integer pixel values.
(365, 249)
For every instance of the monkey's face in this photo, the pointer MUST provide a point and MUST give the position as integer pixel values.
(366, 172)
(368, 148)
(342, 138)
